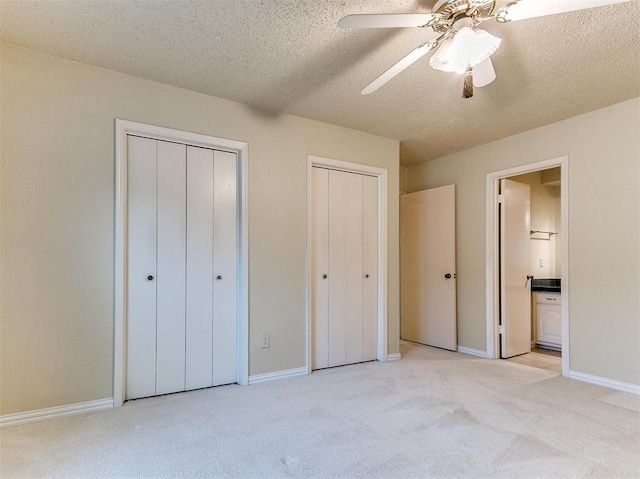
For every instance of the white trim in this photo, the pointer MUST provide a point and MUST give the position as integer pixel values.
(287, 373)
(564, 261)
(122, 129)
(472, 352)
(382, 176)
(492, 255)
(55, 412)
(608, 383)
(393, 356)
(243, 296)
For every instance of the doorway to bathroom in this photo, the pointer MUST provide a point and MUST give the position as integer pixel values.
(527, 265)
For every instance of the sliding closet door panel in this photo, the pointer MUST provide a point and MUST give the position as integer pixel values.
(225, 213)
(319, 267)
(170, 356)
(141, 291)
(370, 268)
(338, 196)
(199, 330)
(352, 210)
(345, 268)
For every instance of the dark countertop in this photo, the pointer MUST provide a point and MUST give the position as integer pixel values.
(549, 285)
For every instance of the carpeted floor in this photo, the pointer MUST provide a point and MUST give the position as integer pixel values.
(432, 414)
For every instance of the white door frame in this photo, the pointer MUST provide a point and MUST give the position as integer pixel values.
(122, 129)
(493, 254)
(381, 175)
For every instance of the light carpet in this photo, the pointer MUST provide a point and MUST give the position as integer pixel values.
(432, 414)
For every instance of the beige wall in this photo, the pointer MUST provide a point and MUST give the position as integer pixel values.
(604, 231)
(403, 178)
(57, 198)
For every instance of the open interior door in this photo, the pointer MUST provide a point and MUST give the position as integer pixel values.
(515, 293)
(428, 267)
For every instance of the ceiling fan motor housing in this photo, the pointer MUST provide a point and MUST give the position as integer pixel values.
(453, 11)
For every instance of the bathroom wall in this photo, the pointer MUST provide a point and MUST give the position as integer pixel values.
(545, 216)
(403, 179)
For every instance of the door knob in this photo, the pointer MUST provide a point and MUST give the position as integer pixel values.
(219, 277)
(447, 276)
(150, 278)
(366, 275)
(324, 276)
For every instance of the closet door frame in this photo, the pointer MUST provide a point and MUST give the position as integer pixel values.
(381, 176)
(124, 128)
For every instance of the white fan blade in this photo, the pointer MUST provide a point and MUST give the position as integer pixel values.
(536, 8)
(483, 73)
(392, 20)
(406, 61)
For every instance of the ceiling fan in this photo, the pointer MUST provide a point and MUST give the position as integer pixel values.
(453, 26)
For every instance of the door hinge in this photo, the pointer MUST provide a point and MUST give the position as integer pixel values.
(501, 329)
(500, 198)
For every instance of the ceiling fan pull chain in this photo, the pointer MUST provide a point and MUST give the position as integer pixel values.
(467, 89)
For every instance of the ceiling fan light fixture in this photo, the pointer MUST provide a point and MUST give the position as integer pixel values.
(440, 60)
(468, 47)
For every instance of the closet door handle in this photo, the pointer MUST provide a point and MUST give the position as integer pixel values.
(366, 275)
(219, 277)
(324, 276)
(150, 278)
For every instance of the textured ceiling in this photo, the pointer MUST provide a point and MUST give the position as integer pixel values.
(289, 56)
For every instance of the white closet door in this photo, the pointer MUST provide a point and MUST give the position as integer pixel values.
(199, 324)
(225, 212)
(170, 326)
(370, 268)
(141, 269)
(319, 268)
(344, 247)
(182, 268)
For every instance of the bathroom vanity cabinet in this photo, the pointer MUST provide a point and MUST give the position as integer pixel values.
(549, 320)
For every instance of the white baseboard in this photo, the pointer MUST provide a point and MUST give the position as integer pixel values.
(54, 412)
(472, 352)
(287, 373)
(393, 356)
(608, 383)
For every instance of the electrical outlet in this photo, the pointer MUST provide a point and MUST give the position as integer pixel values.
(266, 341)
